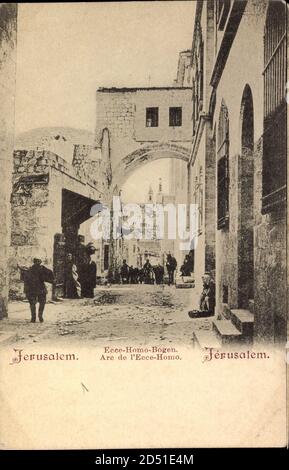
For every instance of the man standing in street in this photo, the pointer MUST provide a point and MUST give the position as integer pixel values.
(171, 265)
(124, 272)
(148, 272)
(34, 287)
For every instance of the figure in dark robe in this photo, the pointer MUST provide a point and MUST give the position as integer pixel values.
(34, 287)
(159, 273)
(135, 275)
(140, 275)
(148, 272)
(186, 268)
(131, 275)
(71, 282)
(124, 272)
(88, 273)
(88, 279)
(171, 266)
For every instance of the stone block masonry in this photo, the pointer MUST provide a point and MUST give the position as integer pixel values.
(49, 197)
(123, 112)
(270, 300)
(8, 26)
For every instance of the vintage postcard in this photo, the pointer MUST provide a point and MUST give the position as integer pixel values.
(143, 254)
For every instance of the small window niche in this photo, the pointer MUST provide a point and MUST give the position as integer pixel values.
(152, 117)
(175, 117)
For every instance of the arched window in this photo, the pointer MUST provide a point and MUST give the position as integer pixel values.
(223, 168)
(275, 107)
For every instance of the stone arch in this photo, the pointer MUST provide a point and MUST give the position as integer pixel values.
(145, 155)
(246, 201)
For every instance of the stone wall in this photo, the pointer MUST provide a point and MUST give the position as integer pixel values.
(178, 184)
(30, 215)
(201, 188)
(90, 166)
(115, 112)
(210, 201)
(58, 140)
(243, 70)
(197, 184)
(163, 99)
(269, 264)
(123, 113)
(39, 179)
(202, 179)
(8, 19)
(227, 247)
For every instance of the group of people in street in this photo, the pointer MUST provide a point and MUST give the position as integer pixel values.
(130, 274)
(148, 274)
(80, 280)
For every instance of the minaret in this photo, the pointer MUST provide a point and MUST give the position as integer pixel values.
(160, 192)
(150, 194)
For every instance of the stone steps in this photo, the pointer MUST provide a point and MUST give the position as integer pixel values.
(185, 282)
(206, 339)
(227, 332)
(183, 285)
(244, 322)
(234, 329)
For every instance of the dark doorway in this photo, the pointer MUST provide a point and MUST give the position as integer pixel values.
(76, 209)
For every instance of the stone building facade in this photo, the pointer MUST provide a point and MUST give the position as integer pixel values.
(52, 198)
(178, 186)
(239, 160)
(8, 29)
(142, 125)
(224, 118)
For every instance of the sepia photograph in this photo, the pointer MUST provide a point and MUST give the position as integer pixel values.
(143, 255)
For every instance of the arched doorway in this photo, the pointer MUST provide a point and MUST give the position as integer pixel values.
(246, 199)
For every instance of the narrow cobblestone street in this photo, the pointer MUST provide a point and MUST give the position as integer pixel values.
(136, 314)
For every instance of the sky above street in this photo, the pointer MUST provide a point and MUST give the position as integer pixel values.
(65, 51)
